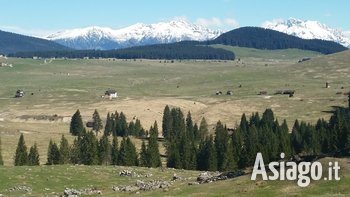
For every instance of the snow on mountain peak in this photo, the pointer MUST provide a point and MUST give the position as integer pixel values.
(138, 34)
(308, 29)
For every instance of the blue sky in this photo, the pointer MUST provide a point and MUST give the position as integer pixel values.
(41, 17)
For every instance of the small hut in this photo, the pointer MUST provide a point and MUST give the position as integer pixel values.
(19, 94)
(111, 94)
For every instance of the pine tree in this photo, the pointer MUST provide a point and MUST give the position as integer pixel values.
(64, 151)
(53, 154)
(143, 155)
(115, 151)
(109, 125)
(212, 158)
(104, 150)
(33, 157)
(127, 153)
(21, 156)
(138, 128)
(76, 124)
(75, 155)
(97, 122)
(229, 162)
(131, 128)
(189, 127)
(153, 154)
(221, 145)
(167, 123)
(89, 149)
(122, 125)
(1, 160)
(203, 130)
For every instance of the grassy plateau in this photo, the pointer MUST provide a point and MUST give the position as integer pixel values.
(55, 89)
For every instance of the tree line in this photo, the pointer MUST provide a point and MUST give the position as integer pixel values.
(159, 51)
(190, 146)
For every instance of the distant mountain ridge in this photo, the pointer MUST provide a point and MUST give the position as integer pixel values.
(308, 29)
(261, 38)
(135, 35)
(12, 43)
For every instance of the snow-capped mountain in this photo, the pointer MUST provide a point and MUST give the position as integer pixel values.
(135, 35)
(308, 29)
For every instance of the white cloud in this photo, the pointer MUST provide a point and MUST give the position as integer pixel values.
(215, 22)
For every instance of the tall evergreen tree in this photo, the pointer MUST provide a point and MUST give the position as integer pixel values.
(122, 125)
(97, 122)
(143, 155)
(203, 130)
(21, 156)
(153, 154)
(115, 151)
(221, 145)
(33, 157)
(89, 149)
(138, 128)
(189, 127)
(109, 125)
(53, 154)
(104, 151)
(64, 151)
(127, 153)
(167, 123)
(212, 157)
(76, 124)
(75, 154)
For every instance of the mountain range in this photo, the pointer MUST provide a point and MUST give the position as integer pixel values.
(11, 43)
(140, 34)
(308, 29)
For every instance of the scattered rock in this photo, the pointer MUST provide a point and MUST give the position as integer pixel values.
(144, 186)
(207, 178)
(193, 183)
(175, 177)
(130, 173)
(70, 192)
(21, 188)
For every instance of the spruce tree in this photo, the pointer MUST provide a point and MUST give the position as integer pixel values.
(153, 154)
(21, 156)
(167, 123)
(203, 130)
(89, 149)
(75, 155)
(221, 145)
(189, 127)
(109, 125)
(143, 155)
(115, 151)
(127, 153)
(53, 154)
(76, 124)
(64, 151)
(1, 160)
(122, 125)
(97, 122)
(138, 128)
(212, 158)
(104, 151)
(33, 157)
